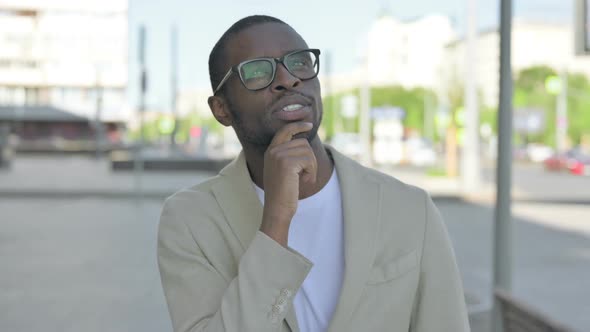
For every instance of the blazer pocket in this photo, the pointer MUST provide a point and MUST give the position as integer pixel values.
(393, 269)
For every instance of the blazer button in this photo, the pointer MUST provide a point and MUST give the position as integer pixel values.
(285, 293)
(276, 309)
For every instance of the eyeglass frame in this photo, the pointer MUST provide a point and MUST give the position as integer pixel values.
(274, 62)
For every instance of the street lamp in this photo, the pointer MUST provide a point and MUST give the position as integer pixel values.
(503, 211)
(582, 26)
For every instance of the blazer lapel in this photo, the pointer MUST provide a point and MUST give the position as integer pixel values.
(361, 204)
(242, 208)
(238, 200)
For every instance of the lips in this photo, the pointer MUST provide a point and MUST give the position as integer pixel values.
(297, 113)
(292, 108)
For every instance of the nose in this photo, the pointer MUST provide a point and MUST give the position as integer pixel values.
(283, 79)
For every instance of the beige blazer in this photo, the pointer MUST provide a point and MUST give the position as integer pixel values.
(220, 273)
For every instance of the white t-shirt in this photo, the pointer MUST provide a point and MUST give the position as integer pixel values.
(317, 233)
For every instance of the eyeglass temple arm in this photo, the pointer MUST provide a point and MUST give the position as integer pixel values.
(225, 78)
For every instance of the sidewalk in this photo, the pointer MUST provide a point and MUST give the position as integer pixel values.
(36, 176)
(469, 219)
(441, 187)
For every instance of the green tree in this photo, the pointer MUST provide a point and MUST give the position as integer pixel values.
(412, 101)
(331, 115)
(530, 91)
(578, 107)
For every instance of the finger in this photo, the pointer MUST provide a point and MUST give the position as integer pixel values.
(286, 133)
(306, 164)
(310, 171)
(309, 165)
(293, 152)
(296, 143)
(285, 150)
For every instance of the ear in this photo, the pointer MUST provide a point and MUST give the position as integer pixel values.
(220, 110)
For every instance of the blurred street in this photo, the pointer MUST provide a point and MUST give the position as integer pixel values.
(532, 182)
(40, 176)
(78, 250)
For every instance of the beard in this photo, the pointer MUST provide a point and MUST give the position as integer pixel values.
(260, 136)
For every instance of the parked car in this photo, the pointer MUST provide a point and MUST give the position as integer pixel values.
(420, 152)
(580, 165)
(560, 161)
(538, 153)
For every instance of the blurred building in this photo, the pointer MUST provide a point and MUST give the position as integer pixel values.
(395, 52)
(69, 55)
(533, 44)
(408, 53)
(45, 128)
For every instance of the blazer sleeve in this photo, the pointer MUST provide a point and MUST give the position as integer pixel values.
(200, 299)
(440, 304)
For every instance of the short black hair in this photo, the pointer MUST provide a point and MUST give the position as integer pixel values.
(217, 56)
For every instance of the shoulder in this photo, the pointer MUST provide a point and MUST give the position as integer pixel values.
(391, 187)
(189, 203)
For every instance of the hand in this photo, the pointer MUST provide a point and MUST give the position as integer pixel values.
(287, 161)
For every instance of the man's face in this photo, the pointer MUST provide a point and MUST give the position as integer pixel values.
(258, 115)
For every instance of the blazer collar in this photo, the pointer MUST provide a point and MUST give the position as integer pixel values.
(361, 205)
(238, 200)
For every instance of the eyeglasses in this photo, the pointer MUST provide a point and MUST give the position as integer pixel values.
(259, 73)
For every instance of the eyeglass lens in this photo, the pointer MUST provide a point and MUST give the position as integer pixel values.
(258, 74)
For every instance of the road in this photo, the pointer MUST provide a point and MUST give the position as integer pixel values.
(543, 185)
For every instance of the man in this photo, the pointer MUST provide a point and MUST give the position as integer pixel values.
(292, 235)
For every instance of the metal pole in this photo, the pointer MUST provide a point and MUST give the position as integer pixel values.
(471, 168)
(503, 215)
(580, 25)
(365, 117)
(98, 127)
(561, 114)
(138, 158)
(143, 87)
(173, 83)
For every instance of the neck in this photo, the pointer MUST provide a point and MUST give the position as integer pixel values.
(255, 161)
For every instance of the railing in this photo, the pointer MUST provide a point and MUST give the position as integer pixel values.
(519, 317)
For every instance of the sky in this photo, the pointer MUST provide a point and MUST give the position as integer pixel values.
(334, 26)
